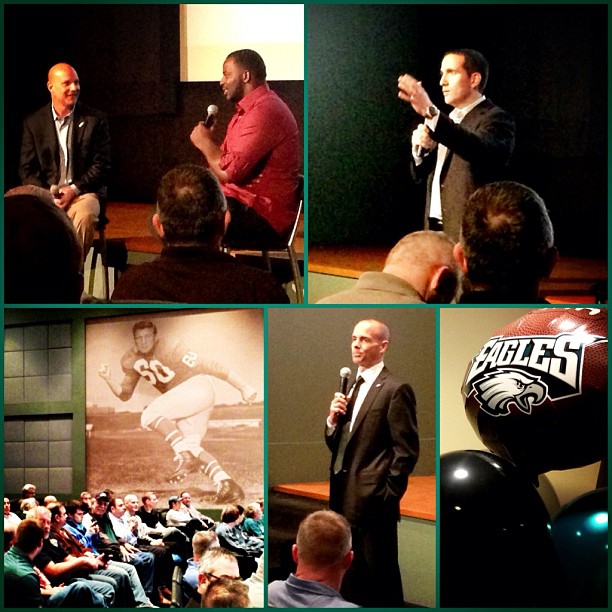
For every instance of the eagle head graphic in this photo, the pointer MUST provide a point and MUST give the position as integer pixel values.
(497, 390)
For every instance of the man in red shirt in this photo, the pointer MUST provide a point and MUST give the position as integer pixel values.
(257, 163)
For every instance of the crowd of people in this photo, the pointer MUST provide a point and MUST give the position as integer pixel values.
(105, 550)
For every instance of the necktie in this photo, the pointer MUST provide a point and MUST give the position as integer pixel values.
(346, 427)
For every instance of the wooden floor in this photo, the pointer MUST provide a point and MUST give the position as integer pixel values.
(418, 502)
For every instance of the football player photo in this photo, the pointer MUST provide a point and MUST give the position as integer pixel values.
(177, 399)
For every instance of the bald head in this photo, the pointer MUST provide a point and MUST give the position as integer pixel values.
(64, 86)
(425, 261)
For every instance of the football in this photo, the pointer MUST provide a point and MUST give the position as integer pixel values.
(536, 393)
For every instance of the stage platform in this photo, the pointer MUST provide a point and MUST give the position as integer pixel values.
(288, 504)
(332, 269)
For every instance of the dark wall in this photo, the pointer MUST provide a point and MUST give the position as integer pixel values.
(548, 68)
(306, 349)
(128, 60)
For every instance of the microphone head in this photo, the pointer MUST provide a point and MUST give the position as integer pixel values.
(213, 109)
(345, 373)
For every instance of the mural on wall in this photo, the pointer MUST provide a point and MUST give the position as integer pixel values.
(174, 401)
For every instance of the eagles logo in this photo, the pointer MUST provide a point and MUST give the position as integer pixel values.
(496, 391)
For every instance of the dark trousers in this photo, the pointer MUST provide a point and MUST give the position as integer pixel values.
(374, 579)
(247, 228)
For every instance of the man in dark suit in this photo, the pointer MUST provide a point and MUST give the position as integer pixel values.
(463, 150)
(372, 434)
(65, 148)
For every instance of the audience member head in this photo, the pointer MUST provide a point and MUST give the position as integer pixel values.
(149, 501)
(322, 550)
(226, 593)
(507, 240)
(202, 541)
(191, 208)
(216, 563)
(186, 499)
(9, 535)
(100, 505)
(28, 490)
(27, 504)
(253, 510)
(74, 510)
(49, 499)
(131, 503)
(230, 513)
(42, 251)
(425, 261)
(42, 516)
(7, 506)
(174, 502)
(86, 501)
(58, 516)
(116, 507)
(29, 537)
(243, 71)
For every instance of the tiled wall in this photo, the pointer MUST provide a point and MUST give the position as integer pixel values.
(38, 368)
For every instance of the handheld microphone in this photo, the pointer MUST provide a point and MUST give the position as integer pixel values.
(345, 374)
(211, 117)
(55, 192)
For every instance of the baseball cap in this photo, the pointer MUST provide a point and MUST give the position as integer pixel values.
(172, 499)
(102, 496)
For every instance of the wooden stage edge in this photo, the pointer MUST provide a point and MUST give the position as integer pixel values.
(419, 500)
(572, 279)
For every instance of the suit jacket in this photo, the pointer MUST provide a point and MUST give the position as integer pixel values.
(91, 157)
(382, 451)
(479, 150)
(376, 288)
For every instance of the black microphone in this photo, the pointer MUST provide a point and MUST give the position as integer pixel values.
(55, 192)
(345, 374)
(211, 117)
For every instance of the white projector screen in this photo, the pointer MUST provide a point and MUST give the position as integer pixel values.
(210, 32)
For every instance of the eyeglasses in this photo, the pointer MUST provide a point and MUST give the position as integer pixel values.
(213, 578)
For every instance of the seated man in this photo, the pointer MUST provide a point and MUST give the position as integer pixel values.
(231, 535)
(207, 522)
(25, 586)
(202, 541)
(61, 568)
(10, 518)
(226, 593)
(153, 522)
(191, 219)
(65, 149)
(83, 541)
(323, 554)
(118, 548)
(215, 564)
(507, 245)
(257, 163)
(419, 269)
(43, 255)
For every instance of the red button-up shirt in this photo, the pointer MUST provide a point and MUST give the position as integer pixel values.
(260, 157)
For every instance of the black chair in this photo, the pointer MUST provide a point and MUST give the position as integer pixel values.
(282, 246)
(177, 600)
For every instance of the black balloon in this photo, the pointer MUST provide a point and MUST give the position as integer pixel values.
(495, 543)
(580, 535)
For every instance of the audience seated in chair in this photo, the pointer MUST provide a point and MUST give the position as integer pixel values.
(253, 525)
(202, 541)
(42, 253)
(10, 518)
(26, 587)
(323, 554)
(506, 246)
(216, 563)
(191, 219)
(419, 269)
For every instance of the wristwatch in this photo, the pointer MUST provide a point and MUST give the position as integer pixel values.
(431, 112)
